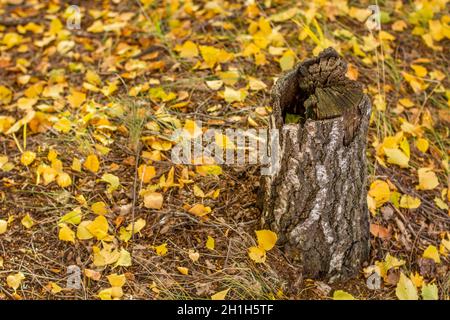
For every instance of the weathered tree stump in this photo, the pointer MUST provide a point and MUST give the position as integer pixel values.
(316, 200)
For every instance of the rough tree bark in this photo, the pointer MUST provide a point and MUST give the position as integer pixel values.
(316, 200)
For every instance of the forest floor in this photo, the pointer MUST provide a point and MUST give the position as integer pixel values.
(86, 116)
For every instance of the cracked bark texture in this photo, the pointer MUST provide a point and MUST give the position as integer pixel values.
(316, 201)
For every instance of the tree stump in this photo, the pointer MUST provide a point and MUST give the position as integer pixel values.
(316, 199)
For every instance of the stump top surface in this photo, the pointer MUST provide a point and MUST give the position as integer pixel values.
(318, 89)
(324, 87)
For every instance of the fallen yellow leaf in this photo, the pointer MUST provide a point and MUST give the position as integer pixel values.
(15, 280)
(266, 239)
(27, 221)
(3, 226)
(116, 280)
(27, 158)
(210, 243)
(422, 144)
(199, 210)
(65, 233)
(98, 227)
(146, 173)
(257, 254)
(409, 202)
(183, 270)
(431, 252)
(92, 164)
(427, 179)
(220, 295)
(82, 231)
(153, 200)
(99, 208)
(188, 50)
(63, 179)
(379, 191)
(161, 250)
(395, 156)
